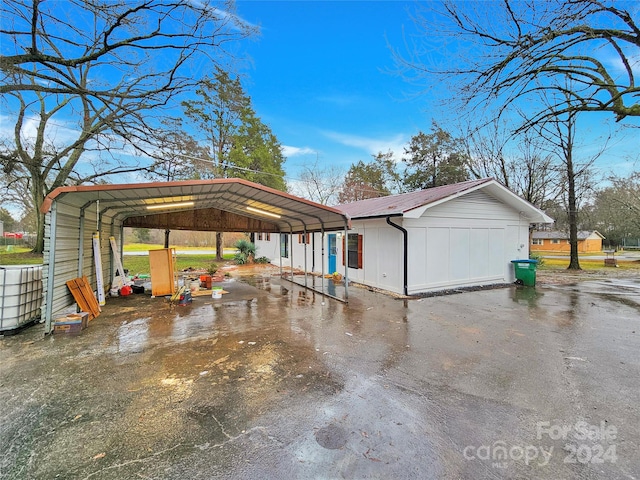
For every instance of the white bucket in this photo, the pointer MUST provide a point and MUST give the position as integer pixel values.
(216, 294)
(194, 286)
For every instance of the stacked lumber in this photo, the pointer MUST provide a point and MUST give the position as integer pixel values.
(84, 297)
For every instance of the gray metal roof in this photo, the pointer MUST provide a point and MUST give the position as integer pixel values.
(228, 194)
(404, 203)
(398, 204)
(560, 235)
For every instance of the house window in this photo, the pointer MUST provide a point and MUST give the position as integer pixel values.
(537, 241)
(302, 238)
(259, 236)
(284, 245)
(555, 241)
(267, 237)
(353, 250)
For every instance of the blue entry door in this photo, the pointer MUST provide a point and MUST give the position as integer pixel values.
(333, 251)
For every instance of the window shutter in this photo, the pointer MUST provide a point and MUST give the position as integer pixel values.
(359, 251)
(344, 248)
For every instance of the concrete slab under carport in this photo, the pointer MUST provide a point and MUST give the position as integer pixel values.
(274, 384)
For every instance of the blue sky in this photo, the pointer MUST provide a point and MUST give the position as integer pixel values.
(321, 77)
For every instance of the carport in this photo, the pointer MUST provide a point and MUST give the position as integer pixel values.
(75, 213)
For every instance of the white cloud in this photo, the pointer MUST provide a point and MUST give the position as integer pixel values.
(289, 151)
(373, 146)
(616, 62)
(236, 19)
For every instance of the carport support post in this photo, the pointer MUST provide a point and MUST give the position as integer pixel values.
(291, 251)
(48, 311)
(81, 244)
(305, 257)
(280, 251)
(122, 243)
(346, 263)
(322, 262)
(112, 269)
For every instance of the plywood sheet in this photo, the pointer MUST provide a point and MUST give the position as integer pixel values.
(162, 272)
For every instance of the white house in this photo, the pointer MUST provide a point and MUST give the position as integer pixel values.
(451, 236)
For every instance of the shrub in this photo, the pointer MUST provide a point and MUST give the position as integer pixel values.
(240, 258)
(213, 268)
(262, 260)
(246, 252)
(538, 257)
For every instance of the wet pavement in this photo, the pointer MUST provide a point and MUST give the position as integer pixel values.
(272, 382)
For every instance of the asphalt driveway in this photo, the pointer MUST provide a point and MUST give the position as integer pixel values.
(269, 382)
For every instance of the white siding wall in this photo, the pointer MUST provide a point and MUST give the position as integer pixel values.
(271, 250)
(382, 260)
(463, 242)
(466, 241)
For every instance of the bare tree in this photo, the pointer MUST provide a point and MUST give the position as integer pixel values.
(505, 51)
(517, 160)
(487, 151)
(177, 154)
(318, 183)
(85, 83)
(559, 131)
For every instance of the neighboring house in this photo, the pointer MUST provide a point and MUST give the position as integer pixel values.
(556, 241)
(452, 236)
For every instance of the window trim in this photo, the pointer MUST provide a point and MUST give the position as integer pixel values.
(304, 239)
(358, 251)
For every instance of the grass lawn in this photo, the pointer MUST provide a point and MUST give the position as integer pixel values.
(560, 263)
(135, 264)
(19, 256)
(140, 263)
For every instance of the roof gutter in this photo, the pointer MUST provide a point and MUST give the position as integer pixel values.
(405, 238)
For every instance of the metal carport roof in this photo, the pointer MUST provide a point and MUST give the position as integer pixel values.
(77, 215)
(123, 201)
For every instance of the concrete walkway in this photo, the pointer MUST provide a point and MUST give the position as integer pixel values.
(270, 383)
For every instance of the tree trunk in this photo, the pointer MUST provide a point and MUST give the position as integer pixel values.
(219, 247)
(574, 262)
(39, 245)
(37, 194)
(167, 232)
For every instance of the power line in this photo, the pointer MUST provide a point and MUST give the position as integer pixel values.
(262, 172)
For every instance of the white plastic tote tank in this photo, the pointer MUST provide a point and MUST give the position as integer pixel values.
(20, 295)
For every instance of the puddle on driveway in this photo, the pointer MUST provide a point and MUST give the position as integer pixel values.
(331, 437)
(270, 381)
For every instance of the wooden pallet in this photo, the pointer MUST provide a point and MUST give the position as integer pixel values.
(84, 297)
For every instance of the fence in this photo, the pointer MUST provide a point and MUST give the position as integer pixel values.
(10, 242)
